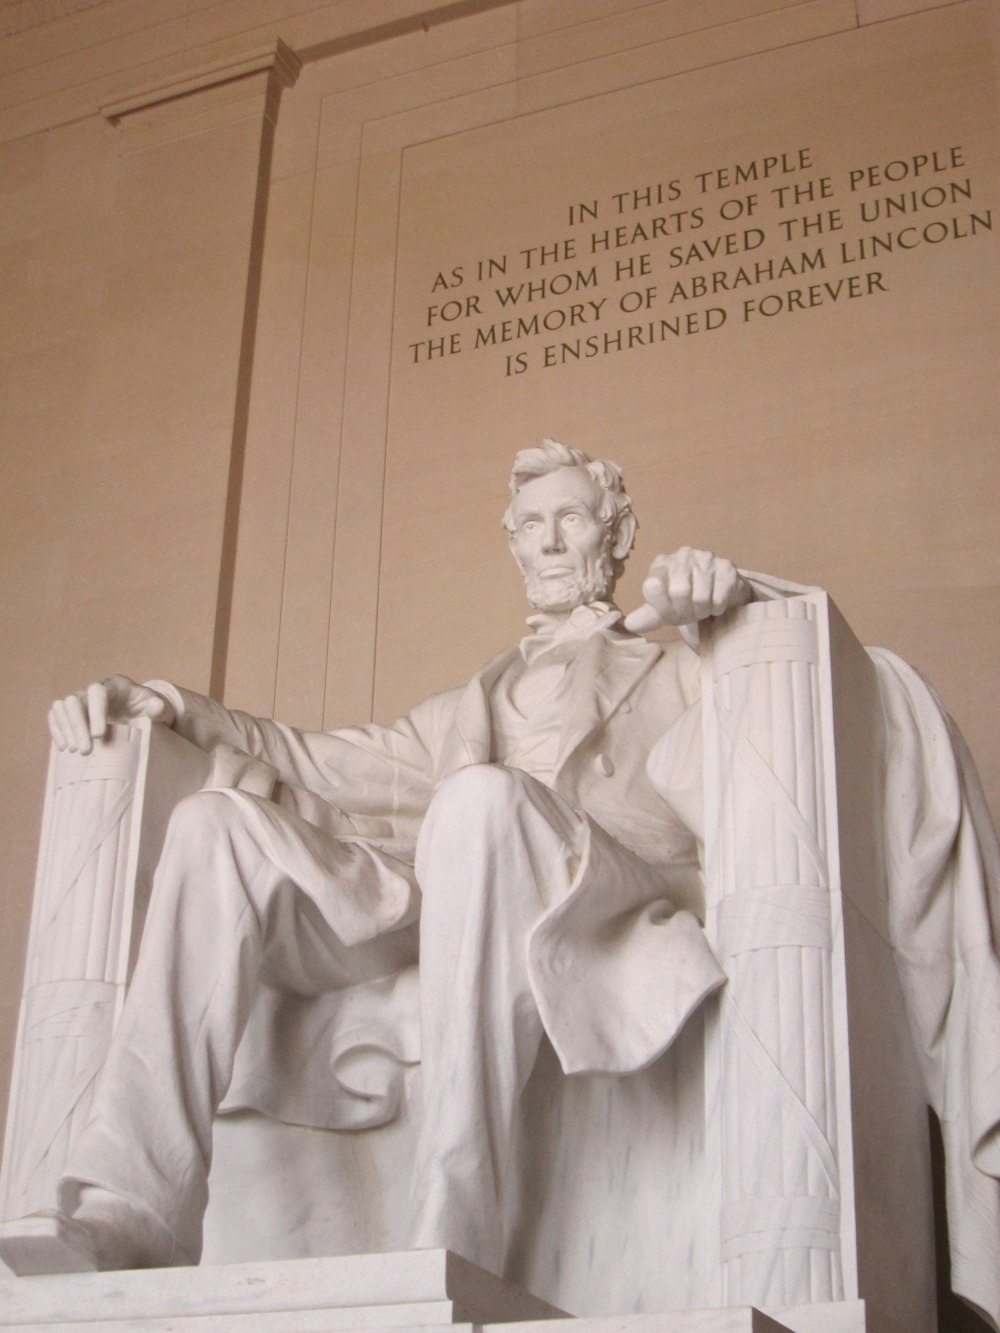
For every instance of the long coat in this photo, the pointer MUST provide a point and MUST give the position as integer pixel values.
(637, 968)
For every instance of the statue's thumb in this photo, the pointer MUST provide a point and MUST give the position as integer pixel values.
(642, 619)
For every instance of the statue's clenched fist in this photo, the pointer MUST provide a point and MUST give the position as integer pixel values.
(686, 587)
(75, 722)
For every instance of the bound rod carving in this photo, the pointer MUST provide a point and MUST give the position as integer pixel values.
(768, 890)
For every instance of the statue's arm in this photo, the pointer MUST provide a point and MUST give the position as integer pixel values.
(383, 772)
(371, 769)
(368, 769)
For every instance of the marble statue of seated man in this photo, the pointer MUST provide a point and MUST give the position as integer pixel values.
(511, 822)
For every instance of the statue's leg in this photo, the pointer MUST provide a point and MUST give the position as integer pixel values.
(234, 870)
(496, 848)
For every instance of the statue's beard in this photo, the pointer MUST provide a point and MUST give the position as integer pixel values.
(562, 592)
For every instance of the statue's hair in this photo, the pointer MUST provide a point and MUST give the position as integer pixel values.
(550, 456)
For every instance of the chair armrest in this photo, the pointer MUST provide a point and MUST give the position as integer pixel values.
(103, 825)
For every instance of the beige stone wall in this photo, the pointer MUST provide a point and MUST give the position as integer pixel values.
(221, 462)
(127, 251)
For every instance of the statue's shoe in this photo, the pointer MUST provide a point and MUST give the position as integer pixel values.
(48, 1242)
(106, 1232)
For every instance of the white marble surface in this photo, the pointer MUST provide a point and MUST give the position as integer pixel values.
(837, 1317)
(698, 1321)
(105, 817)
(765, 1164)
(405, 1291)
(742, 1319)
(574, 742)
(818, 1117)
(420, 1287)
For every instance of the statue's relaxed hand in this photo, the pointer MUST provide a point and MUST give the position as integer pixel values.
(75, 722)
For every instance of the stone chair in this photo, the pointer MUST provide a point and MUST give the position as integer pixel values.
(775, 1156)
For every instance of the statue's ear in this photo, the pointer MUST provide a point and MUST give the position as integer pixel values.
(624, 536)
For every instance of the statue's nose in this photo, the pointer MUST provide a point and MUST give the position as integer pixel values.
(552, 536)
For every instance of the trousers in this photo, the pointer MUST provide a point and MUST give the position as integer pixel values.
(247, 891)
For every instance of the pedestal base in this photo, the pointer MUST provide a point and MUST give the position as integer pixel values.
(416, 1289)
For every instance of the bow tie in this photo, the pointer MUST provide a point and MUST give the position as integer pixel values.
(552, 631)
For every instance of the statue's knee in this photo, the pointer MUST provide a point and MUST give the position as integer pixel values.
(476, 789)
(209, 854)
(203, 815)
(472, 803)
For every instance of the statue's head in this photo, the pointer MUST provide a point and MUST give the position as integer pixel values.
(570, 525)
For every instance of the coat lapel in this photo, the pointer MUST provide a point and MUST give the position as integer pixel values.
(605, 674)
(470, 739)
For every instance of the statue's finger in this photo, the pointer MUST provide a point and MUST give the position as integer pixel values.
(680, 594)
(97, 709)
(76, 716)
(730, 589)
(155, 706)
(702, 585)
(60, 737)
(64, 726)
(643, 619)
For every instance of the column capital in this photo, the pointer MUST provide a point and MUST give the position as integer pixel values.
(210, 93)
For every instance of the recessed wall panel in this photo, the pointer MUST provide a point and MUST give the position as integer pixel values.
(766, 288)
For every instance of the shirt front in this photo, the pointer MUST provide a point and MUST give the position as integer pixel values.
(527, 706)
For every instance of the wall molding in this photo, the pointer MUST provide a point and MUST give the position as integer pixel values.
(276, 60)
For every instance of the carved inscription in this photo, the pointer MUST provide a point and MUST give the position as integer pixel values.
(736, 245)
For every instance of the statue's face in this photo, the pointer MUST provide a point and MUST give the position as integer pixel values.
(559, 541)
